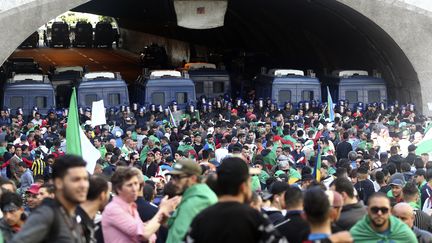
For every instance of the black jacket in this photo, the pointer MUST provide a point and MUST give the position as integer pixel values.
(294, 227)
(275, 216)
(365, 189)
(151, 170)
(351, 214)
(49, 223)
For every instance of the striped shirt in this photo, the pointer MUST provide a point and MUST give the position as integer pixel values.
(38, 167)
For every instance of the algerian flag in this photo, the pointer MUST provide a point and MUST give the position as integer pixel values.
(425, 145)
(76, 141)
(316, 172)
(330, 106)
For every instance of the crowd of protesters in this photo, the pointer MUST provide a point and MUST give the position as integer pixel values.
(219, 172)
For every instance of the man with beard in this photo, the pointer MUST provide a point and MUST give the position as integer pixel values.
(196, 196)
(97, 198)
(379, 225)
(232, 219)
(54, 220)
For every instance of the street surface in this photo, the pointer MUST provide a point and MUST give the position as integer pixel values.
(97, 59)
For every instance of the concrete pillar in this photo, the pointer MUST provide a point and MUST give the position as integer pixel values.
(411, 28)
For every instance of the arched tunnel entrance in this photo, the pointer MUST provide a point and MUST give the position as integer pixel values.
(321, 35)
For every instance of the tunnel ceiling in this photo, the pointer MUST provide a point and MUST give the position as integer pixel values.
(305, 34)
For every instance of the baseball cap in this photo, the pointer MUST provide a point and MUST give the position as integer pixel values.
(275, 188)
(278, 187)
(33, 189)
(396, 182)
(186, 166)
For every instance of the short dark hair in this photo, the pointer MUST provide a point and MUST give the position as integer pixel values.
(232, 172)
(344, 185)
(377, 195)
(317, 213)
(429, 174)
(121, 175)
(11, 197)
(405, 167)
(293, 197)
(49, 186)
(64, 163)
(418, 163)
(379, 176)
(148, 192)
(97, 185)
(410, 189)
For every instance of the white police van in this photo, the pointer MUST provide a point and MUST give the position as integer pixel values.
(287, 85)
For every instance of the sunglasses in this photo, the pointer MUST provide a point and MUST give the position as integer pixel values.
(383, 210)
(178, 177)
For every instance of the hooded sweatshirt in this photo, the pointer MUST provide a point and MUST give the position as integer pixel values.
(399, 232)
(195, 199)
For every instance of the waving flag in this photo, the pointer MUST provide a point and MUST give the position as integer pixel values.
(76, 141)
(425, 145)
(317, 172)
(330, 107)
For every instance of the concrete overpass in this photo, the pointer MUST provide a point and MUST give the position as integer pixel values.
(393, 37)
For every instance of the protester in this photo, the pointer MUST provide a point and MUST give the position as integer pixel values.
(54, 219)
(196, 196)
(231, 220)
(405, 212)
(13, 215)
(276, 195)
(380, 225)
(32, 197)
(97, 198)
(373, 148)
(353, 209)
(120, 219)
(294, 227)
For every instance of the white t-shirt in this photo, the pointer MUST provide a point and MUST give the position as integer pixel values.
(220, 154)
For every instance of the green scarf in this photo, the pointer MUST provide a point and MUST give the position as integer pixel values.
(399, 232)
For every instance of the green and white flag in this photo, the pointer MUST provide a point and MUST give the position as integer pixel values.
(425, 145)
(77, 142)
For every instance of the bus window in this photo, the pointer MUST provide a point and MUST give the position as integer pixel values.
(284, 95)
(374, 96)
(89, 98)
(41, 101)
(199, 87)
(218, 87)
(114, 99)
(16, 102)
(307, 95)
(158, 98)
(181, 97)
(351, 96)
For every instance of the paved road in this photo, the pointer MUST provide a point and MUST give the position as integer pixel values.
(115, 60)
